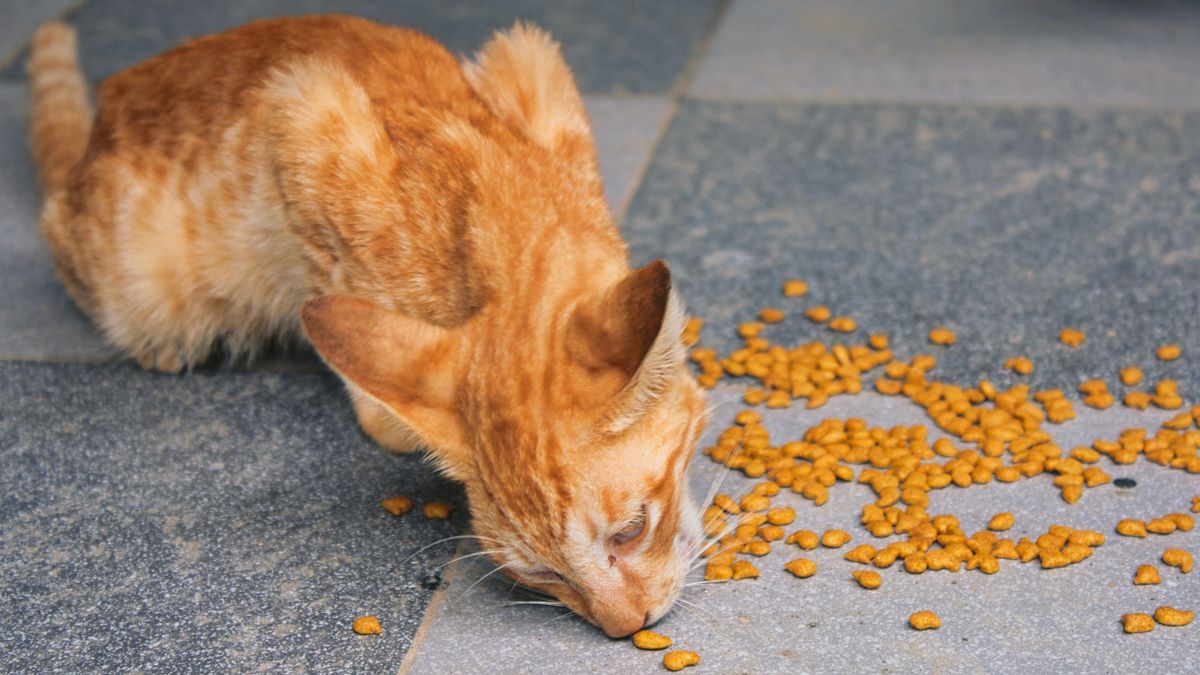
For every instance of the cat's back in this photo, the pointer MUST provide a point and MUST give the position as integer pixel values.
(204, 85)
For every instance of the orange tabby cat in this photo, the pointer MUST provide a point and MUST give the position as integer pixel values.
(437, 230)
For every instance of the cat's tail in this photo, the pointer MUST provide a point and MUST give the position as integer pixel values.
(60, 116)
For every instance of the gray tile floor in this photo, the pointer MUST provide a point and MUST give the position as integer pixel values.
(1005, 168)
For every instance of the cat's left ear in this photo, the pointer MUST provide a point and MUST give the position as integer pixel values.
(628, 344)
(408, 365)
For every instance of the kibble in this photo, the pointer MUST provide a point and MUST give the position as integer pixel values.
(1001, 521)
(1146, 575)
(367, 625)
(1071, 337)
(1169, 616)
(680, 659)
(437, 510)
(742, 569)
(1177, 557)
(1137, 622)
(867, 579)
(835, 538)
(794, 288)
(1131, 527)
(1168, 352)
(398, 505)
(924, 620)
(801, 567)
(818, 313)
(770, 315)
(648, 639)
(942, 336)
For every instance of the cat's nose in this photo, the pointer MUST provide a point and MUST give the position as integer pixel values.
(625, 626)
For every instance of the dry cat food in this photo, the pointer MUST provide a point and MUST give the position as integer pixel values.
(1177, 557)
(437, 510)
(398, 505)
(1137, 622)
(1169, 616)
(1168, 352)
(367, 625)
(1146, 575)
(680, 659)
(979, 434)
(648, 639)
(924, 620)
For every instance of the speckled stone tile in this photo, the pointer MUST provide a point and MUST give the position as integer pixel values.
(1074, 52)
(620, 46)
(1004, 224)
(1022, 619)
(37, 317)
(202, 523)
(625, 130)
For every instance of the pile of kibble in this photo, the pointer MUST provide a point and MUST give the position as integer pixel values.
(989, 434)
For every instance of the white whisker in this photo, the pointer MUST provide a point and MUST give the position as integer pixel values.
(446, 539)
(480, 579)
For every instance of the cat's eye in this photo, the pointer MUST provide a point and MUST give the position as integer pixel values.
(631, 532)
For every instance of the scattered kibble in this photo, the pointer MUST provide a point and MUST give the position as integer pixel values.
(805, 539)
(680, 659)
(924, 620)
(1137, 622)
(818, 313)
(648, 639)
(1146, 575)
(1168, 352)
(867, 579)
(1131, 527)
(742, 569)
(367, 625)
(1019, 365)
(942, 336)
(835, 538)
(1131, 376)
(801, 567)
(437, 510)
(398, 505)
(794, 288)
(1169, 616)
(770, 315)
(842, 324)
(1001, 521)
(1177, 557)
(1071, 337)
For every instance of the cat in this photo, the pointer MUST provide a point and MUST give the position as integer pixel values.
(437, 231)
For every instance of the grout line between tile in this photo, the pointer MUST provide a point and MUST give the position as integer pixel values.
(431, 613)
(682, 83)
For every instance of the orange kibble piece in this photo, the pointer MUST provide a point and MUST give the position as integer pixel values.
(878, 341)
(1019, 365)
(1138, 622)
(942, 336)
(1001, 521)
(744, 570)
(924, 620)
(750, 329)
(1146, 575)
(794, 288)
(818, 313)
(1071, 337)
(842, 324)
(1168, 352)
(437, 510)
(868, 579)
(680, 659)
(801, 567)
(367, 625)
(770, 315)
(1131, 527)
(1169, 616)
(398, 505)
(1131, 376)
(835, 538)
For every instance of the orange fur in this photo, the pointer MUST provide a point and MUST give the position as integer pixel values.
(437, 230)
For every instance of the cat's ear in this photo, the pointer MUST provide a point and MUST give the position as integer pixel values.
(628, 342)
(405, 364)
(522, 78)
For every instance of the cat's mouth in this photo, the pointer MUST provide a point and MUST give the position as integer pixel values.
(617, 616)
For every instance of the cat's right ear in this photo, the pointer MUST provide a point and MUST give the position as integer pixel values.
(522, 78)
(409, 366)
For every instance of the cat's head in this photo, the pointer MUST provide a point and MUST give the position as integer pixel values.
(572, 439)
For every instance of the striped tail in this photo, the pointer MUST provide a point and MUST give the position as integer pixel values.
(60, 116)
